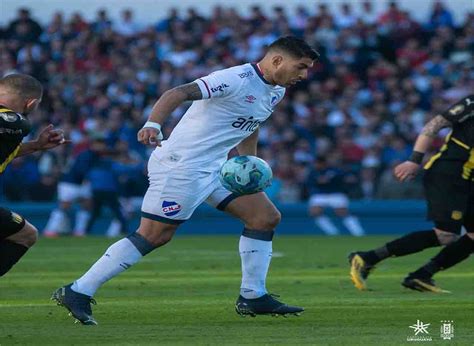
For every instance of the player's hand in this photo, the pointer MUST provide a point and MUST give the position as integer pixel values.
(150, 136)
(406, 170)
(50, 138)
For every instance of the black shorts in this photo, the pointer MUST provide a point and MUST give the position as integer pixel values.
(449, 197)
(10, 223)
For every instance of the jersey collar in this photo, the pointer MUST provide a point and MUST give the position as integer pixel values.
(259, 73)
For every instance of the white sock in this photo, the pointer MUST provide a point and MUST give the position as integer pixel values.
(256, 256)
(353, 225)
(56, 220)
(117, 258)
(82, 218)
(326, 225)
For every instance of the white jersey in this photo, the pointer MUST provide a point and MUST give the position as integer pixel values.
(235, 102)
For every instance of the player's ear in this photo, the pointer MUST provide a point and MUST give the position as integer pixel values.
(31, 103)
(277, 60)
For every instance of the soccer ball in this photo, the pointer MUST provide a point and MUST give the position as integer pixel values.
(244, 175)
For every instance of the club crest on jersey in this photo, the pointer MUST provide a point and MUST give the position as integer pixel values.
(246, 124)
(219, 88)
(250, 99)
(170, 208)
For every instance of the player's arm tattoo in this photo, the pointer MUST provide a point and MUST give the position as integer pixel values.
(432, 128)
(190, 90)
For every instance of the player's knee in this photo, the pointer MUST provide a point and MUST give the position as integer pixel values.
(65, 205)
(27, 236)
(445, 237)
(156, 233)
(268, 221)
(315, 211)
(164, 238)
(341, 212)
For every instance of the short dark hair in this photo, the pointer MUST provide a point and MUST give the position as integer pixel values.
(23, 85)
(295, 46)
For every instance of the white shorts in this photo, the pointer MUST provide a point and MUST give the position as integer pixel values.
(175, 192)
(69, 192)
(332, 200)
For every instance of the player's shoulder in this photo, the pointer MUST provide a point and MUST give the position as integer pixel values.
(466, 104)
(237, 72)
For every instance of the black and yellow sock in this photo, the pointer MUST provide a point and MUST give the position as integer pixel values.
(10, 253)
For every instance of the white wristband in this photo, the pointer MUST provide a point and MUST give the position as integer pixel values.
(155, 126)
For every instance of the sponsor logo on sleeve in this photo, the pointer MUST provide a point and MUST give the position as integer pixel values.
(219, 88)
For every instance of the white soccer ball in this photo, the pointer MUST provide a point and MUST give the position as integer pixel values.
(245, 175)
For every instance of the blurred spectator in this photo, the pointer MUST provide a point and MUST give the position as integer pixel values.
(440, 16)
(126, 26)
(24, 29)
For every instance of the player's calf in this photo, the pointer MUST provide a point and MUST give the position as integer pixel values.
(16, 245)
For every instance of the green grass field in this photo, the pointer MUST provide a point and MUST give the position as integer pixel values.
(184, 293)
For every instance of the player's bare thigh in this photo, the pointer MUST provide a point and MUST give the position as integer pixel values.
(256, 211)
(155, 232)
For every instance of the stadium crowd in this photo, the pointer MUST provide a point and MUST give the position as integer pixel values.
(379, 79)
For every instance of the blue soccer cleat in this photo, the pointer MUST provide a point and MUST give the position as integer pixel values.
(265, 305)
(78, 304)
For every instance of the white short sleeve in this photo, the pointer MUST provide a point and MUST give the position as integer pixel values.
(218, 84)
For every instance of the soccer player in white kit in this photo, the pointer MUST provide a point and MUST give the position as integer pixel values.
(183, 173)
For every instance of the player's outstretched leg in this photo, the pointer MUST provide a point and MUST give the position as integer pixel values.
(363, 262)
(452, 254)
(120, 256)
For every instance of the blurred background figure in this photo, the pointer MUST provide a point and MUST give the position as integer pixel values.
(73, 188)
(327, 185)
(107, 168)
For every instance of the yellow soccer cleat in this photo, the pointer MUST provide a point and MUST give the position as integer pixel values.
(422, 285)
(360, 270)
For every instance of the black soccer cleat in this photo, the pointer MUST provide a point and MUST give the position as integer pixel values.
(360, 270)
(265, 305)
(78, 304)
(422, 284)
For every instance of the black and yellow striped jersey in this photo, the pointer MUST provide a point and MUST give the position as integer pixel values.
(13, 128)
(457, 154)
